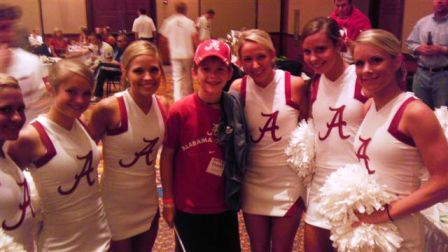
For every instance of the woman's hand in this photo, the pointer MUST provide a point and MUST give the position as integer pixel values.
(379, 216)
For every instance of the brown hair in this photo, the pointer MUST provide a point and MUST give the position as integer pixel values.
(8, 81)
(326, 24)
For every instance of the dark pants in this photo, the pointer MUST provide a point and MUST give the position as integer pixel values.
(208, 232)
(148, 39)
(106, 72)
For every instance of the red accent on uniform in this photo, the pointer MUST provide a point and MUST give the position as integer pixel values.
(393, 127)
(51, 151)
(124, 119)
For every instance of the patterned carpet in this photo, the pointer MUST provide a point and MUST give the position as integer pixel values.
(165, 237)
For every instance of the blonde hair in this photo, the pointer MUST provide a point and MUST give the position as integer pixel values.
(135, 49)
(64, 69)
(387, 42)
(8, 81)
(256, 36)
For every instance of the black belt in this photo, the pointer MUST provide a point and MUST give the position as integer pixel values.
(434, 69)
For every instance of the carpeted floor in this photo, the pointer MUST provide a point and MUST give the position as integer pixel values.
(165, 237)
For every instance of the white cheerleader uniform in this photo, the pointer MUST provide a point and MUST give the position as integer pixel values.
(394, 160)
(129, 180)
(66, 179)
(16, 212)
(270, 187)
(337, 111)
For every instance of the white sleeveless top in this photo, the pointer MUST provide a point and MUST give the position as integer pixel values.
(270, 186)
(337, 111)
(394, 160)
(387, 153)
(129, 180)
(66, 179)
(16, 212)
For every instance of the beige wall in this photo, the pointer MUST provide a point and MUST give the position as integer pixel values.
(269, 15)
(30, 12)
(413, 11)
(308, 10)
(69, 15)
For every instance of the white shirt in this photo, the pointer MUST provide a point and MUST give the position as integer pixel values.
(204, 26)
(144, 26)
(35, 40)
(179, 31)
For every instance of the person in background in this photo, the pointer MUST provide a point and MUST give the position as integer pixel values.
(274, 101)
(181, 35)
(37, 44)
(192, 161)
(99, 49)
(337, 109)
(122, 43)
(83, 36)
(58, 43)
(35, 38)
(63, 160)
(351, 22)
(16, 212)
(23, 66)
(204, 25)
(143, 26)
(108, 37)
(131, 127)
(398, 138)
(428, 41)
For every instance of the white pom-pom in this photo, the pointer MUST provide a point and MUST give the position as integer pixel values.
(7, 243)
(442, 116)
(346, 191)
(300, 151)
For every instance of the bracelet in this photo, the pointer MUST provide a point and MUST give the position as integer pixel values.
(388, 213)
(167, 201)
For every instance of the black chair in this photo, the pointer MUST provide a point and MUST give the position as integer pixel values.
(110, 74)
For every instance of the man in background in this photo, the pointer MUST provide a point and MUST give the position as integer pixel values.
(429, 42)
(122, 43)
(351, 21)
(22, 65)
(181, 34)
(143, 27)
(204, 25)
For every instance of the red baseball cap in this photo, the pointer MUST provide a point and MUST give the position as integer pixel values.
(212, 47)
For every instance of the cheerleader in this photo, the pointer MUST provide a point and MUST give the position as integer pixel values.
(131, 128)
(16, 212)
(274, 101)
(337, 106)
(398, 136)
(63, 161)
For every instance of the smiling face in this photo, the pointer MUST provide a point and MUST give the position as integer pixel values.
(144, 74)
(212, 75)
(12, 113)
(257, 62)
(320, 53)
(376, 69)
(72, 96)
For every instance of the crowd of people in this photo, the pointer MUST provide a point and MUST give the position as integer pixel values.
(220, 152)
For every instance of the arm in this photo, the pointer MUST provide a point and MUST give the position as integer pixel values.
(166, 175)
(236, 86)
(300, 95)
(420, 123)
(105, 115)
(27, 148)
